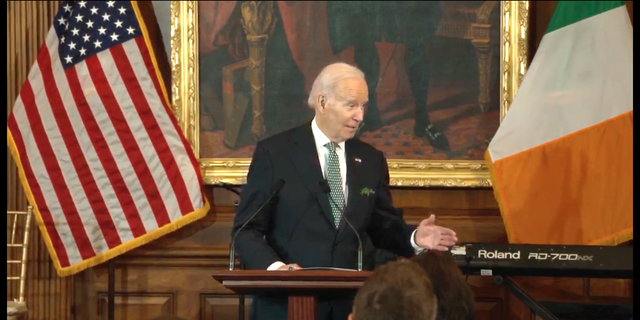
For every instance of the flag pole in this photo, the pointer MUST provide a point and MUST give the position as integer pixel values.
(111, 283)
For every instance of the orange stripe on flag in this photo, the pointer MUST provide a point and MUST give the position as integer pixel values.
(574, 190)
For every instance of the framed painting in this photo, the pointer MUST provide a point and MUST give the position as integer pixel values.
(441, 76)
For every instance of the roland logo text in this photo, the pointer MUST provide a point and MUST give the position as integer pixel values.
(498, 255)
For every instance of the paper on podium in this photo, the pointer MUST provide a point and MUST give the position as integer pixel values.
(327, 268)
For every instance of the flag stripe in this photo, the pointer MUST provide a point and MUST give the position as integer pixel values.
(561, 163)
(175, 192)
(47, 137)
(569, 13)
(117, 149)
(121, 207)
(118, 82)
(145, 52)
(36, 191)
(78, 177)
(581, 169)
(75, 237)
(154, 96)
(569, 83)
(126, 135)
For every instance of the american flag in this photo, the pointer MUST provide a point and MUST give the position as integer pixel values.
(100, 154)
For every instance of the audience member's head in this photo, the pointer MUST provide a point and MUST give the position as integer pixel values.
(455, 298)
(398, 290)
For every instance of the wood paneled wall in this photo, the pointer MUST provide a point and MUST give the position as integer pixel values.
(171, 275)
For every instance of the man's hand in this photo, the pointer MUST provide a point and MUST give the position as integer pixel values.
(432, 237)
(289, 267)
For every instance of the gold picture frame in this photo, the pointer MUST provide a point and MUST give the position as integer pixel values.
(413, 173)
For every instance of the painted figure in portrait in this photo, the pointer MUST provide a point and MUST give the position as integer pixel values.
(431, 67)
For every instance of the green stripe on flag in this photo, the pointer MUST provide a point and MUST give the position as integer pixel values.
(570, 12)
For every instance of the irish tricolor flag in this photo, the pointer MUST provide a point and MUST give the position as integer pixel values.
(561, 162)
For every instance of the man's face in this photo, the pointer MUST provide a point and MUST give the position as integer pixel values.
(344, 112)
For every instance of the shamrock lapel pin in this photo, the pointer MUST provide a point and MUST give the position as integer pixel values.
(366, 192)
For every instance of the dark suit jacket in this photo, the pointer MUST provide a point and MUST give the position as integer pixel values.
(297, 226)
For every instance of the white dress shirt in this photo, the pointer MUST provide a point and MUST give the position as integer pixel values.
(323, 154)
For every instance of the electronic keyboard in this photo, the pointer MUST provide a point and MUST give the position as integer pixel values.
(544, 260)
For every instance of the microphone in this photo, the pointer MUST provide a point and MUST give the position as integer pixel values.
(324, 186)
(229, 187)
(275, 189)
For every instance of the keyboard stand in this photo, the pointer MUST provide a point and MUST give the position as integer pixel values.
(538, 309)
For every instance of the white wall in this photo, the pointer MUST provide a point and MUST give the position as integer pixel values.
(163, 15)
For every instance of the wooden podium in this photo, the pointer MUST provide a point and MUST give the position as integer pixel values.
(302, 287)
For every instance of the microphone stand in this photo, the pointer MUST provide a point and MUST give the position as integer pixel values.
(325, 186)
(229, 187)
(354, 231)
(277, 186)
(276, 189)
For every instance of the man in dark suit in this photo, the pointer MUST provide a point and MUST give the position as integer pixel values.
(330, 178)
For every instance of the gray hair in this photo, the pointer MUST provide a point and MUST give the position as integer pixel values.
(328, 77)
